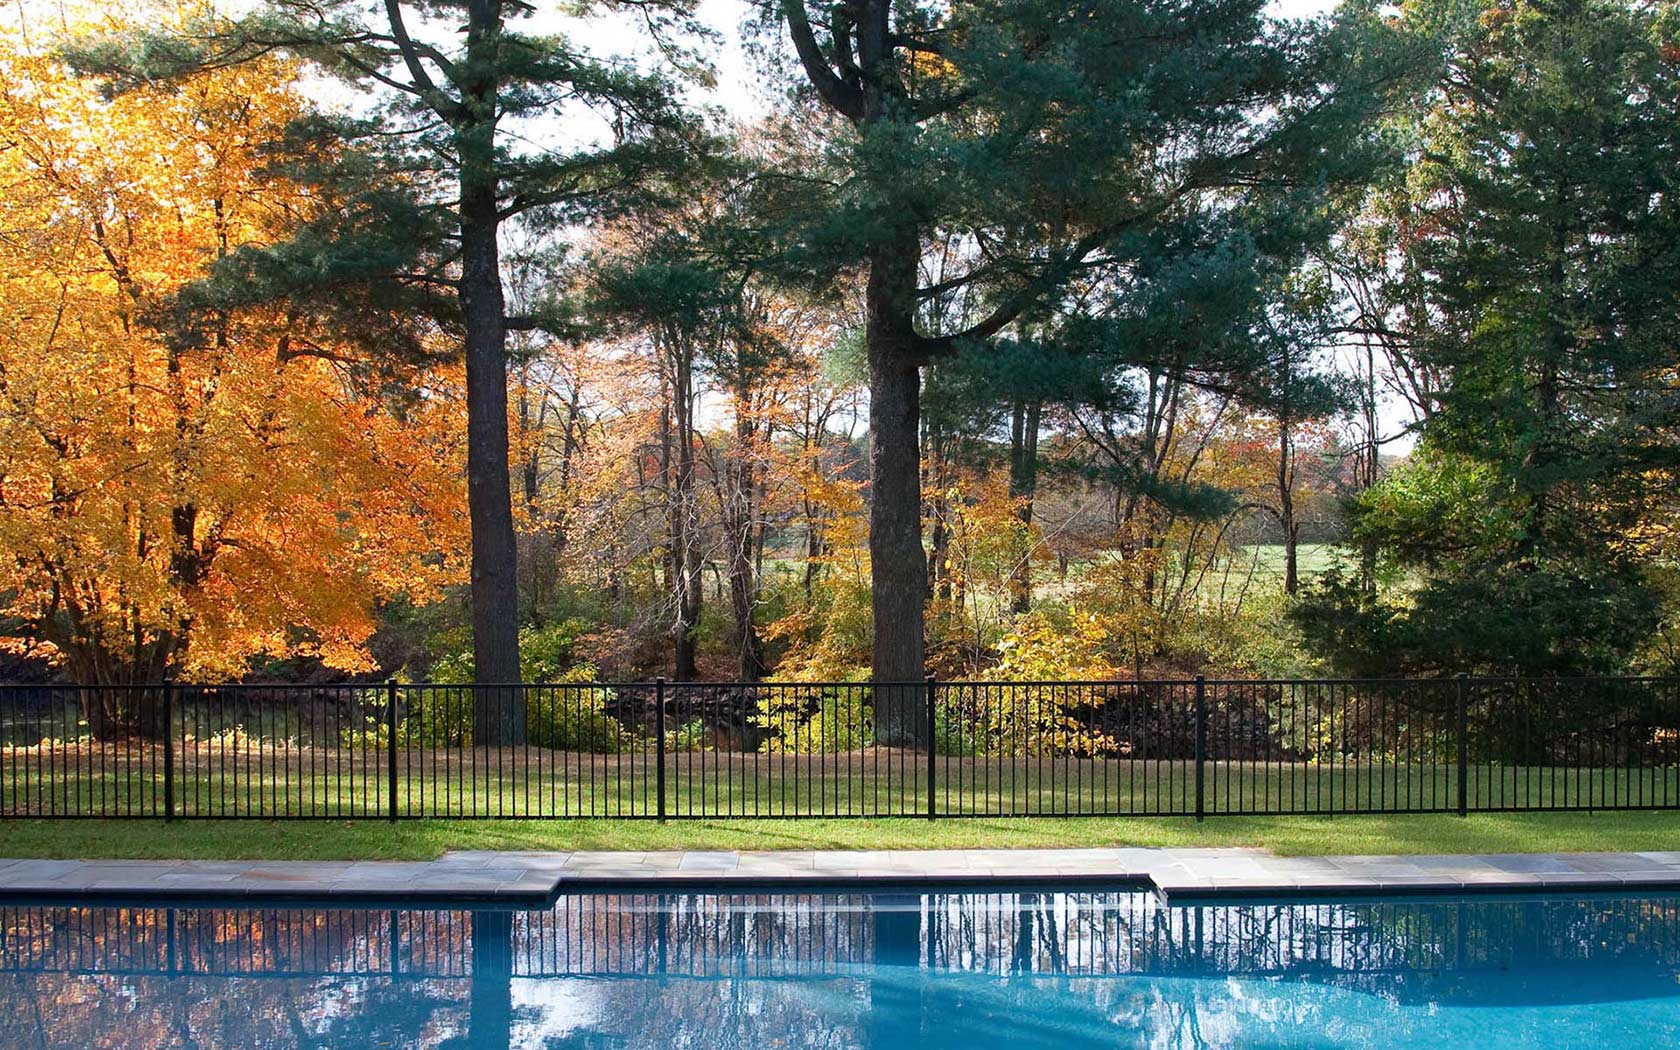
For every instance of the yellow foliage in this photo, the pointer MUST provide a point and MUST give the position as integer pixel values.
(1037, 649)
(194, 506)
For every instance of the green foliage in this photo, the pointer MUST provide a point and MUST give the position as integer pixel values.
(1494, 594)
(1531, 261)
(564, 719)
(568, 719)
(688, 737)
(1436, 506)
(1563, 616)
(546, 654)
(390, 179)
(575, 720)
(1255, 636)
(430, 718)
(999, 722)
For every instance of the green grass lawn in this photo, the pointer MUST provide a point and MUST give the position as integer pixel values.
(882, 783)
(425, 839)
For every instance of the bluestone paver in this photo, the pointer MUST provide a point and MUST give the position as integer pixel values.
(532, 879)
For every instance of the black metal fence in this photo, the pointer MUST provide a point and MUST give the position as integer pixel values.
(924, 749)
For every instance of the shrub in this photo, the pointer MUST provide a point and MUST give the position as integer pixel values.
(816, 721)
(690, 736)
(546, 654)
(575, 720)
(560, 718)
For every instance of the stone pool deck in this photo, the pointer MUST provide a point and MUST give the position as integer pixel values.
(534, 879)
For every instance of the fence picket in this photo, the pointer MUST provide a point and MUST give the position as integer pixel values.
(1186, 747)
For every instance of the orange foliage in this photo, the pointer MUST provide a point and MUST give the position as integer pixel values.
(173, 506)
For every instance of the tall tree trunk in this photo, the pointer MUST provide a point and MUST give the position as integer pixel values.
(498, 715)
(687, 586)
(939, 547)
(811, 454)
(870, 93)
(814, 547)
(537, 561)
(740, 520)
(743, 597)
(1286, 506)
(898, 565)
(1370, 467)
(1023, 487)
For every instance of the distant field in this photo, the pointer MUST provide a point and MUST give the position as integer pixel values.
(1266, 560)
(1311, 559)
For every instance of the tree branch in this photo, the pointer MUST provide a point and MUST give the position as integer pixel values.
(844, 98)
(445, 106)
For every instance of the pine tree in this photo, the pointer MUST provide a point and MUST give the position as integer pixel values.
(1538, 254)
(422, 186)
(1040, 139)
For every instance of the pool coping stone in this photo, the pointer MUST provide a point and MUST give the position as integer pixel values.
(533, 879)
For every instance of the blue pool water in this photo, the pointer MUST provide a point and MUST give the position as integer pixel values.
(961, 970)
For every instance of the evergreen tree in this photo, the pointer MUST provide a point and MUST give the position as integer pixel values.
(423, 185)
(1539, 276)
(1039, 139)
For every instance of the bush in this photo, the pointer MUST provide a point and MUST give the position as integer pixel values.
(560, 718)
(575, 720)
(817, 721)
(981, 721)
(690, 736)
(431, 717)
(546, 654)
(827, 639)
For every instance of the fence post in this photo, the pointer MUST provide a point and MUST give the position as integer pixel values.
(1201, 745)
(1463, 703)
(659, 743)
(932, 688)
(391, 745)
(168, 751)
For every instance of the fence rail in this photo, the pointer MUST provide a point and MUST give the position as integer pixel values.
(664, 750)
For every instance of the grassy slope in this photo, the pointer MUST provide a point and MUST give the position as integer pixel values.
(424, 839)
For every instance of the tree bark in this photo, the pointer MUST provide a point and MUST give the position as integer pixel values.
(867, 91)
(683, 560)
(1023, 486)
(743, 596)
(498, 715)
(740, 520)
(1286, 506)
(898, 565)
(939, 546)
(537, 562)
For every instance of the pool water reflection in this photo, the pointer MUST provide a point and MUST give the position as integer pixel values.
(839, 969)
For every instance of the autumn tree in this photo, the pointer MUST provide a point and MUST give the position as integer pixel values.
(679, 305)
(458, 164)
(170, 503)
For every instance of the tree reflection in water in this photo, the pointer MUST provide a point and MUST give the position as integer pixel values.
(1030, 968)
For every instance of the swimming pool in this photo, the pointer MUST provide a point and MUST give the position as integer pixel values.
(1017, 968)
